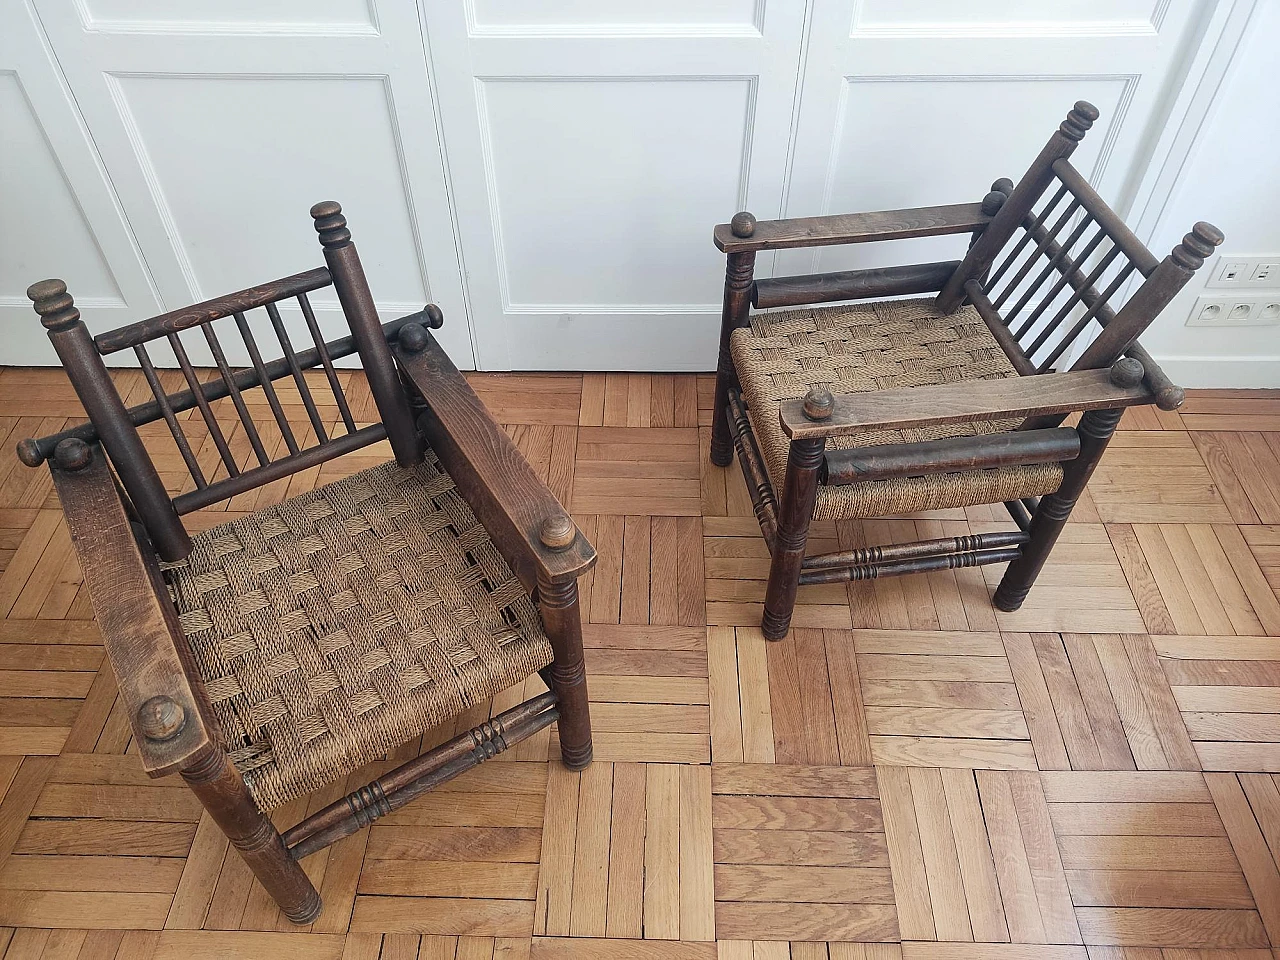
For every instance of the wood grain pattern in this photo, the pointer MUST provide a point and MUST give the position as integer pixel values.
(796, 846)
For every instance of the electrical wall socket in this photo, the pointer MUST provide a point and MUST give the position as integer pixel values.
(1236, 272)
(1235, 311)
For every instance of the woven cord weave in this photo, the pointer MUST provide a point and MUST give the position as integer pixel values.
(342, 623)
(874, 346)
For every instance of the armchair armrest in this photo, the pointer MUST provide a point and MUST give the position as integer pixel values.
(1048, 394)
(490, 472)
(854, 228)
(167, 707)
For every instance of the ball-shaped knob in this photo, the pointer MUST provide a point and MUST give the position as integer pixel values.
(72, 454)
(819, 403)
(742, 225)
(29, 453)
(557, 532)
(413, 338)
(1170, 397)
(1127, 372)
(1003, 185)
(992, 203)
(435, 316)
(161, 718)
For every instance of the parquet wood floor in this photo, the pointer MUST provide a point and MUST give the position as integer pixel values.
(911, 775)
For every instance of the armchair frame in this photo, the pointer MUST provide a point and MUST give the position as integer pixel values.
(123, 522)
(1049, 279)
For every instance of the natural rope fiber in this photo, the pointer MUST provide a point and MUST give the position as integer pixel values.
(342, 623)
(874, 346)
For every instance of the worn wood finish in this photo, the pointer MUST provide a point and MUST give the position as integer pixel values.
(273, 470)
(952, 560)
(496, 480)
(926, 687)
(409, 781)
(35, 452)
(852, 285)
(864, 556)
(375, 356)
(956, 402)
(955, 453)
(1105, 217)
(799, 491)
(97, 392)
(567, 674)
(217, 783)
(1095, 430)
(1153, 296)
(999, 329)
(737, 305)
(139, 626)
(1029, 189)
(1064, 249)
(122, 338)
(158, 694)
(853, 228)
(753, 469)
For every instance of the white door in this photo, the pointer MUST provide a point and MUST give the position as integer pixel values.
(919, 102)
(58, 217)
(591, 148)
(219, 123)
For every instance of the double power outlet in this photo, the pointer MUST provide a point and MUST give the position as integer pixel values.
(1250, 294)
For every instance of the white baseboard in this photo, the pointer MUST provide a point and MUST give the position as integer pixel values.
(1209, 372)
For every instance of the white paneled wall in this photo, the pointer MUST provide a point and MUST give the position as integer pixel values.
(548, 171)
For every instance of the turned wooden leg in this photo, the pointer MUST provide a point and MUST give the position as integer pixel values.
(799, 493)
(737, 307)
(1096, 428)
(568, 674)
(220, 788)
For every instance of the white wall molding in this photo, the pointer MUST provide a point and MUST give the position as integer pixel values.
(1222, 372)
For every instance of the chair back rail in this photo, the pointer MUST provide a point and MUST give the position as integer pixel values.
(1050, 282)
(244, 454)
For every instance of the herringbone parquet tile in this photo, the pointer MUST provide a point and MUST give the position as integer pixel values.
(910, 775)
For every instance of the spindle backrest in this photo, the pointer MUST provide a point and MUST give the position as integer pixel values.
(234, 455)
(1049, 276)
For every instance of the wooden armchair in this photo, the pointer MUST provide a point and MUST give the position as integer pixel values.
(268, 656)
(897, 406)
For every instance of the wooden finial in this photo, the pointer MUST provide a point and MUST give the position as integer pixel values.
(992, 202)
(1079, 120)
(29, 453)
(330, 223)
(72, 454)
(558, 532)
(1127, 372)
(413, 338)
(818, 403)
(161, 718)
(1197, 245)
(435, 316)
(742, 225)
(56, 308)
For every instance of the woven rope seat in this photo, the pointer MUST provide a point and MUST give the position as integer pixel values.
(873, 346)
(342, 623)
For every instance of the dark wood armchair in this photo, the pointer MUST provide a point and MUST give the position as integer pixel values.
(267, 656)
(897, 406)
